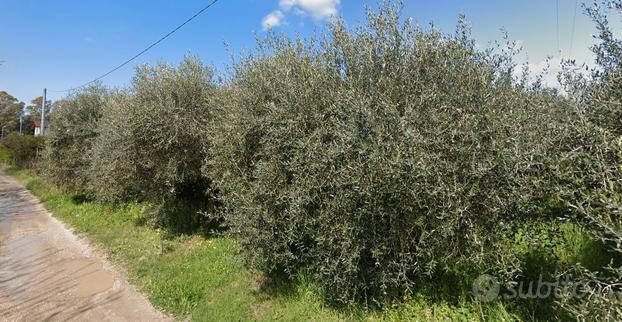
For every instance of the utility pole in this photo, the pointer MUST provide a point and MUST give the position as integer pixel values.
(43, 112)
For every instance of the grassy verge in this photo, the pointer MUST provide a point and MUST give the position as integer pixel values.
(203, 279)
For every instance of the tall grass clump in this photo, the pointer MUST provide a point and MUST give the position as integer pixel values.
(70, 138)
(150, 141)
(374, 158)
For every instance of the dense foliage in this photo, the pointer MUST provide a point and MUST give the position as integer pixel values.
(69, 139)
(150, 142)
(369, 159)
(597, 195)
(603, 95)
(10, 111)
(23, 150)
(378, 156)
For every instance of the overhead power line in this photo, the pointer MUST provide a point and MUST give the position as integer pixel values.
(574, 22)
(142, 51)
(557, 20)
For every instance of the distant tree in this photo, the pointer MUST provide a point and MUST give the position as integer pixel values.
(10, 110)
(35, 107)
(7, 98)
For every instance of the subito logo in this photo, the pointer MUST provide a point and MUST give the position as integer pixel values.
(486, 288)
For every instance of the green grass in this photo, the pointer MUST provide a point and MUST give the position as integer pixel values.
(204, 279)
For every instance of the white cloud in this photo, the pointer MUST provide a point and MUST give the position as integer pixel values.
(318, 9)
(547, 70)
(273, 19)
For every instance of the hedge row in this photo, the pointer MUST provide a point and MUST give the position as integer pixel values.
(367, 158)
(388, 153)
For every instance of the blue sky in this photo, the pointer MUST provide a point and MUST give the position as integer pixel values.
(64, 43)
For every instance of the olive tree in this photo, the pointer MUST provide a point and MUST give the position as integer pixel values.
(595, 188)
(373, 157)
(72, 132)
(151, 137)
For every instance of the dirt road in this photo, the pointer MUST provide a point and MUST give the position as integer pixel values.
(48, 274)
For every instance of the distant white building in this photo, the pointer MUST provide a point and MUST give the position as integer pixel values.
(37, 125)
